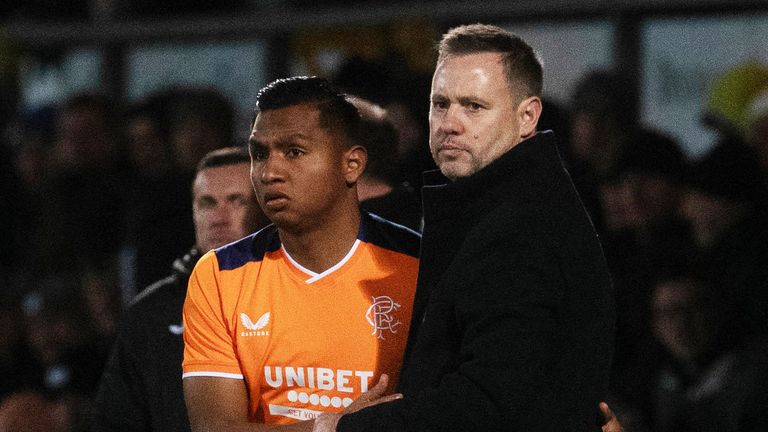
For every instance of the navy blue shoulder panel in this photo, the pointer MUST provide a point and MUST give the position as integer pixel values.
(376, 230)
(248, 249)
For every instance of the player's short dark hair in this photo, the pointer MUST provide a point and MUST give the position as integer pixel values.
(336, 112)
(522, 65)
(224, 156)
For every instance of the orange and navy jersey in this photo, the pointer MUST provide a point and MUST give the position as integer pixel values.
(304, 342)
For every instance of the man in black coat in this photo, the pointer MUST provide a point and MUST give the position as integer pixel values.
(140, 389)
(514, 320)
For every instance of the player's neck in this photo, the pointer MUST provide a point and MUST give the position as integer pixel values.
(323, 247)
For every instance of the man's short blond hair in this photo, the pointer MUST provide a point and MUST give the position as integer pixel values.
(522, 65)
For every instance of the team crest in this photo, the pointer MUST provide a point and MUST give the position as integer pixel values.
(380, 315)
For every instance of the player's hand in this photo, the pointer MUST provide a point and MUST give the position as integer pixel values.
(611, 422)
(327, 422)
(374, 396)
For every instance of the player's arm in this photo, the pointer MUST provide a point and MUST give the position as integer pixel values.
(221, 404)
(214, 388)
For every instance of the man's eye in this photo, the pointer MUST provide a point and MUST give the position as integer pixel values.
(294, 152)
(259, 155)
(473, 106)
(206, 203)
(239, 201)
(439, 105)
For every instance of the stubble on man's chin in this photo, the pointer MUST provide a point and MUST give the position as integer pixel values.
(456, 172)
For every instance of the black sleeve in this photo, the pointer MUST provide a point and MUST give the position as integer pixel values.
(120, 403)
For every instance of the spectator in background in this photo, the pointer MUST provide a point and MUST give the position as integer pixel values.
(146, 131)
(168, 133)
(730, 96)
(380, 188)
(726, 203)
(72, 186)
(11, 214)
(51, 351)
(757, 128)
(200, 120)
(649, 174)
(31, 412)
(402, 94)
(602, 122)
(159, 226)
(725, 206)
(17, 366)
(28, 177)
(61, 336)
(85, 198)
(64, 355)
(643, 232)
(141, 389)
(703, 380)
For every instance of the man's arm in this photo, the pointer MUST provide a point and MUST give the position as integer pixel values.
(508, 338)
(328, 422)
(221, 404)
(507, 310)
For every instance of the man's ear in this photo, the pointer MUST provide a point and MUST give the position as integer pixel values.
(528, 113)
(355, 160)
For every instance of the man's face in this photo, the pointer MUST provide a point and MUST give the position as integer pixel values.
(681, 322)
(297, 167)
(224, 206)
(589, 134)
(473, 117)
(83, 139)
(706, 214)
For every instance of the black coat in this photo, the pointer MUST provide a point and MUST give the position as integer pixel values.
(141, 387)
(514, 314)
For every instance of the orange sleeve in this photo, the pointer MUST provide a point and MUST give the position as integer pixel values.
(208, 344)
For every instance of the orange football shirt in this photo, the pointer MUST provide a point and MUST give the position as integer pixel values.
(304, 343)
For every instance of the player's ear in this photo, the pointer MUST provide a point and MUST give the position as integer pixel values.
(354, 163)
(528, 113)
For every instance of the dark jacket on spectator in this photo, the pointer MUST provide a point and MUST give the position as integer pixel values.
(141, 389)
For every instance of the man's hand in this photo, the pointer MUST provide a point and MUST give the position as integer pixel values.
(611, 422)
(374, 396)
(327, 422)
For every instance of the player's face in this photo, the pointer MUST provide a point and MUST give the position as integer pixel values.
(473, 117)
(297, 167)
(224, 206)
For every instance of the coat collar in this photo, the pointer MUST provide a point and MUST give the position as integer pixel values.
(522, 173)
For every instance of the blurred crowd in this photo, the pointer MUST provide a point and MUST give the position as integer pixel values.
(687, 246)
(97, 206)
